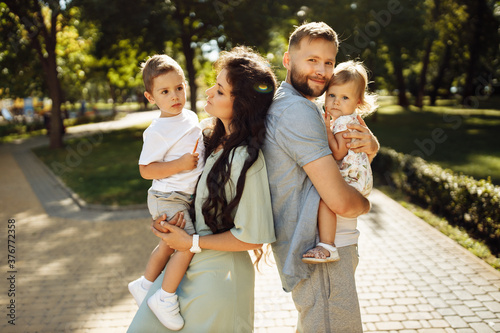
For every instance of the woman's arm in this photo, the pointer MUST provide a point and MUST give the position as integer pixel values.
(180, 240)
(226, 242)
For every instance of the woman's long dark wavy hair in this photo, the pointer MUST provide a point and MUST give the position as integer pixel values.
(253, 84)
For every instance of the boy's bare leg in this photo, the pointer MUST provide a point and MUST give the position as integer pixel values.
(327, 227)
(157, 261)
(175, 270)
(164, 302)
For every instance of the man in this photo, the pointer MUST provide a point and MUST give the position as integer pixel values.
(301, 170)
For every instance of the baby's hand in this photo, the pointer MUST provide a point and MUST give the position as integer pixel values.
(327, 116)
(189, 161)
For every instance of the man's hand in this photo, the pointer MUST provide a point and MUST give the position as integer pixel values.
(340, 197)
(366, 142)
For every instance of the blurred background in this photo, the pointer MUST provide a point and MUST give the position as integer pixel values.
(72, 57)
(434, 64)
(71, 96)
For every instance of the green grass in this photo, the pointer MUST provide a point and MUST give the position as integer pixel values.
(101, 169)
(463, 140)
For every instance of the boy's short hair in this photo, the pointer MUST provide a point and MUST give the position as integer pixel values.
(313, 30)
(157, 65)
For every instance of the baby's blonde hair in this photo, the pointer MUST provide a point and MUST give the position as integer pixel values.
(355, 71)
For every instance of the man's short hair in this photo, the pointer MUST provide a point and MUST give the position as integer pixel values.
(313, 30)
(157, 65)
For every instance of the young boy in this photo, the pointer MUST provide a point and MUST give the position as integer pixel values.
(170, 157)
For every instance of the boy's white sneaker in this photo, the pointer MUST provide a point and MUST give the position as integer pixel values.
(136, 289)
(166, 311)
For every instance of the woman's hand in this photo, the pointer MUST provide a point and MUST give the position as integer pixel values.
(178, 220)
(366, 142)
(172, 232)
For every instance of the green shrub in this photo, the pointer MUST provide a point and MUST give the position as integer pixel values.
(23, 128)
(20, 128)
(462, 200)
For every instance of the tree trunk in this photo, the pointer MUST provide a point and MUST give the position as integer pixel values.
(438, 81)
(43, 39)
(423, 75)
(49, 66)
(400, 80)
(56, 123)
(476, 23)
(114, 97)
(371, 63)
(182, 15)
(428, 48)
(189, 55)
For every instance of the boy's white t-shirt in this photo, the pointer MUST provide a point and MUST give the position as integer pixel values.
(167, 139)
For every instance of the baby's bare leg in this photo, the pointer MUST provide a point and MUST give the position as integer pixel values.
(327, 227)
(175, 270)
(327, 224)
(157, 261)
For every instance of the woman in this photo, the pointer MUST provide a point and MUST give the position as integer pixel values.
(232, 205)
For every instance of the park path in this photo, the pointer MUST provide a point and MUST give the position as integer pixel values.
(73, 263)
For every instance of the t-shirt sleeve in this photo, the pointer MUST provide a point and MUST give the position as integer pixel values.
(253, 220)
(302, 134)
(153, 149)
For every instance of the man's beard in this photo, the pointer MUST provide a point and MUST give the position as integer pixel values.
(299, 82)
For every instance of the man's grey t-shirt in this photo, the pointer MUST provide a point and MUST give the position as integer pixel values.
(296, 135)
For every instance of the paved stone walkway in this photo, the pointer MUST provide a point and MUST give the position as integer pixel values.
(72, 264)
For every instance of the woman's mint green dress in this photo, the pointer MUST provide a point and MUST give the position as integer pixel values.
(217, 291)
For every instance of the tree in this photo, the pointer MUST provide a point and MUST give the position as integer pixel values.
(483, 40)
(120, 69)
(197, 24)
(75, 41)
(128, 31)
(430, 27)
(151, 26)
(254, 24)
(21, 74)
(404, 38)
(39, 22)
(448, 49)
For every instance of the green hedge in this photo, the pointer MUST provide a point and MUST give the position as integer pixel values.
(20, 128)
(462, 200)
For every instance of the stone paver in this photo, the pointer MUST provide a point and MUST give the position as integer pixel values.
(73, 264)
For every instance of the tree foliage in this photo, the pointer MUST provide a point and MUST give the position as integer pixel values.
(37, 24)
(411, 46)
